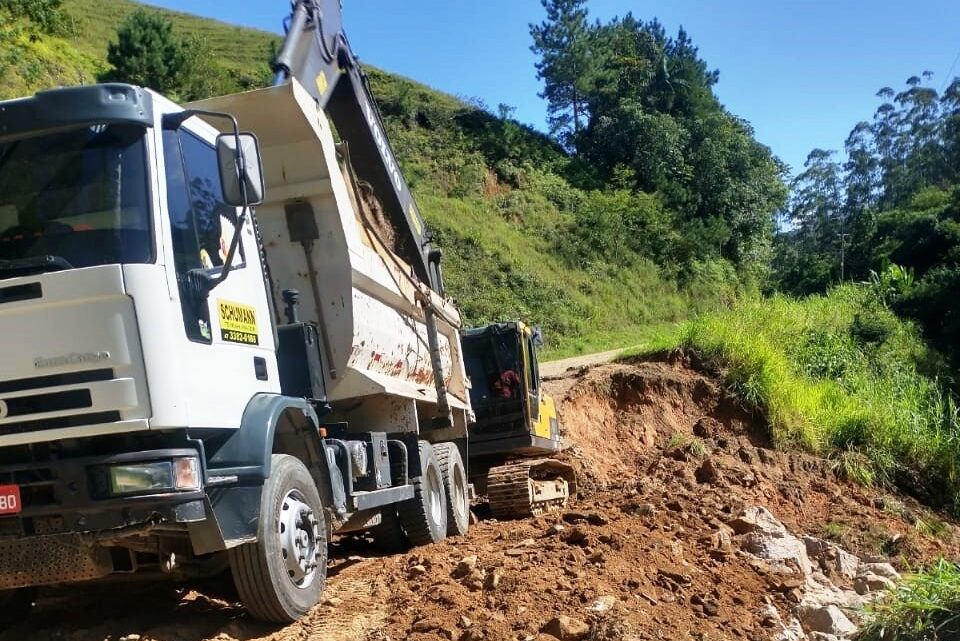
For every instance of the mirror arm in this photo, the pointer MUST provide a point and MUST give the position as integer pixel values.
(232, 252)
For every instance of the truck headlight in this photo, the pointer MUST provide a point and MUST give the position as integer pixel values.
(178, 474)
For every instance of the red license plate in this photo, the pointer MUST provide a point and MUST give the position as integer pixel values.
(10, 499)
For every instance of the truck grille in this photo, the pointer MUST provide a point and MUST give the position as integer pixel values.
(19, 293)
(37, 486)
(55, 380)
(33, 403)
(59, 423)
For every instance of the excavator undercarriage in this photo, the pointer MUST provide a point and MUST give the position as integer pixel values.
(532, 487)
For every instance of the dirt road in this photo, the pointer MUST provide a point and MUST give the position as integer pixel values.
(558, 369)
(666, 459)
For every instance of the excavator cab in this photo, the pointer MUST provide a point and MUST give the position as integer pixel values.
(516, 424)
(514, 415)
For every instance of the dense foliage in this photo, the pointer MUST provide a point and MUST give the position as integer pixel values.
(841, 375)
(636, 107)
(893, 201)
(149, 52)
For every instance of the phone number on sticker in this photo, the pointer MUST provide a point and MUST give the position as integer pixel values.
(240, 337)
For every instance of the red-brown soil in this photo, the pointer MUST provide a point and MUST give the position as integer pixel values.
(665, 457)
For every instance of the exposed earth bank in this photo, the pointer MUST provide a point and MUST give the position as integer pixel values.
(689, 527)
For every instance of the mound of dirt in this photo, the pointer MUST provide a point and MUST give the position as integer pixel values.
(668, 461)
(618, 416)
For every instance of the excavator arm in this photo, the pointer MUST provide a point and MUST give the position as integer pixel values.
(316, 52)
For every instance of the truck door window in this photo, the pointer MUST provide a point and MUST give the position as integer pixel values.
(186, 242)
(214, 220)
(202, 225)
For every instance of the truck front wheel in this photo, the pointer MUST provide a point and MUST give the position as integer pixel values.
(282, 575)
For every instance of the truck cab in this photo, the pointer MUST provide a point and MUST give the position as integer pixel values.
(171, 406)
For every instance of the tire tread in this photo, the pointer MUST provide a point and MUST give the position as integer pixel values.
(444, 453)
(413, 512)
(249, 565)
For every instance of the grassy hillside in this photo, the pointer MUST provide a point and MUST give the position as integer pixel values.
(520, 240)
(31, 61)
(516, 233)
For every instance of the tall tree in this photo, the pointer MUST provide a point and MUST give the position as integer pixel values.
(562, 42)
(861, 185)
(147, 53)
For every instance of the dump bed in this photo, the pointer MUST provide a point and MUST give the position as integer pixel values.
(322, 235)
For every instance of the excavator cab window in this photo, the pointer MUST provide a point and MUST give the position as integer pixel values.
(532, 374)
(495, 366)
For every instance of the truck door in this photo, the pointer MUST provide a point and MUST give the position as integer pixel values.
(228, 341)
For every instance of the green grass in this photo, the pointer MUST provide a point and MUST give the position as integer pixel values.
(841, 376)
(31, 62)
(833, 531)
(925, 607)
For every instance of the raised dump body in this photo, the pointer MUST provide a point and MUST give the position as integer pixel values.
(325, 237)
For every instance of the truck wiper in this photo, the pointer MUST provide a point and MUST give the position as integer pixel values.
(33, 265)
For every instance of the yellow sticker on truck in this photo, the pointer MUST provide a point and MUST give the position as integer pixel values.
(238, 323)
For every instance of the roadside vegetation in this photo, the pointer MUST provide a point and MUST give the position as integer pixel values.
(894, 199)
(925, 607)
(841, 375)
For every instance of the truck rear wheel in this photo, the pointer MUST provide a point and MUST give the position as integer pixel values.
(455, 483)
(282, 575)
(424, 517)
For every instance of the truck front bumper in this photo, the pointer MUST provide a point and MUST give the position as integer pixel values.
(69, 521)
(72, 496)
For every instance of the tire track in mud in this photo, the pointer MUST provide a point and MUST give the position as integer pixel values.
(360, 610)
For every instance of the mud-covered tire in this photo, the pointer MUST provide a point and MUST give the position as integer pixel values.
(424, 517)
(268, 573)
(455, 483)
(389, 537)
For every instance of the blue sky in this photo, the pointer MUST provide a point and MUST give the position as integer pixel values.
(802, 72)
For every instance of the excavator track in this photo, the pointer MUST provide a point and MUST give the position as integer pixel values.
(529, 488)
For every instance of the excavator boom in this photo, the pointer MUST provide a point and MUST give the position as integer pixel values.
(317, 53)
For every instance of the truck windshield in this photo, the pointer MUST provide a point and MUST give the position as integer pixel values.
(74, 199)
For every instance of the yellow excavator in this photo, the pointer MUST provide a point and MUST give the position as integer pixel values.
(517, 427)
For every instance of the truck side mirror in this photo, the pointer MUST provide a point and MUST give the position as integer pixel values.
(241, 170)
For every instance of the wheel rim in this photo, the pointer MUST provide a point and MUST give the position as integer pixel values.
(459, 491)
(299, 539)
(435, 496)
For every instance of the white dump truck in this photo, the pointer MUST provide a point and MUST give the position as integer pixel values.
(220, 347)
